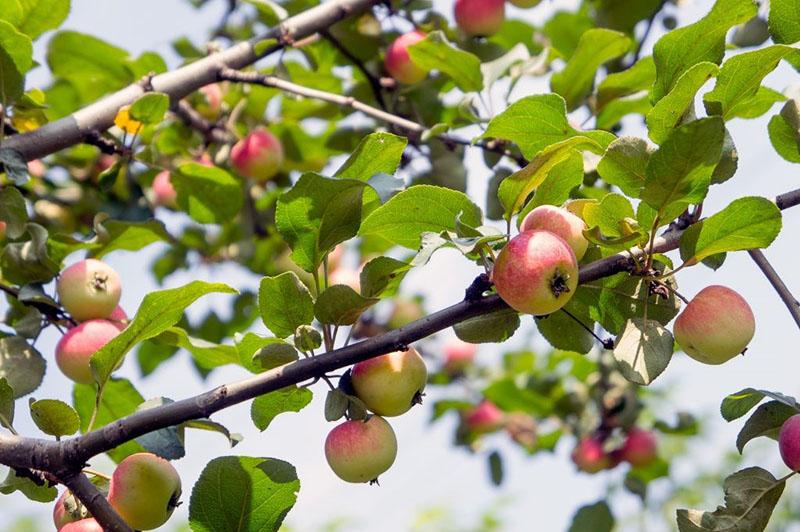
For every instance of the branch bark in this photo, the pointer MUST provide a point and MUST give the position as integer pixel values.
(777, 283)
(99, 116)
(98, 506)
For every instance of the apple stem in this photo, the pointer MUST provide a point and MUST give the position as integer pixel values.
(607, 343)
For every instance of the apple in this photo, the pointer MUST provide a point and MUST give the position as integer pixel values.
(144, 490)
(258, 156)
(480, 18)
(398, 62)
(68, 510)
(76, 347)
(536, 273)
(164, 193)
(390, 384)
(345, 276)
(458, 355)
(525, 3)
(210, 103)
(3, 227)
(640, 447)
(484, 418)
(84, 525)
(715, 326)
(590, 456)
(119, 317)
(89, 289)
(361, 450)
(789, 442)
(560, 222)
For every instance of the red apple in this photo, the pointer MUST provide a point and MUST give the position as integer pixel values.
(398, 62)
(390, 384)
(590, 456)
(536, 273)
(68, 510)
(360, 451)
(76, 347)
(560, 222)
(789, 442)
(640, 447)
(484, 418)
(164, 193)
(144, 490)
(89, 289)
(480, 18)
(84, 525)
(715, 326)
(258, 156)
(458, 355)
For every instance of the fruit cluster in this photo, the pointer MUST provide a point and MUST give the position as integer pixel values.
(639, 449)
(144, 490)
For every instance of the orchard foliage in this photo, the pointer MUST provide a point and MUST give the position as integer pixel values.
(319, 158)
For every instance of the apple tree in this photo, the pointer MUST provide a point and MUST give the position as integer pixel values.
(306, 136)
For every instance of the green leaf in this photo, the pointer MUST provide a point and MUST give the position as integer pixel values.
(377, 153)
(341, 305)
(243, 494)
(29, 261)
(206, 424)
(336, 403)
(740, 79)
(767, 421)
(750, 497)
(679, 173)
(420, 209)
(624, 296)
(595, 47)
(21, 365)
(498, 68)
(307, 338)
(13, 211)
(167, 442)
(285, 304)
(680, 49)
(158, 312)
(436, 53)
(39, 16)
(150, 108)
(535, 122)
(565, 177)
(16, 58)
(609, 214)
(747, 223)
(784, 131)
(14, 482)
(516, 188)
(624, 164)
(14, 165)
(54, 417)
(784, 24)
(11, 12)
(636, 79)
(6, 404)
(382, 276)
(496, 327)
(119, 399)
(643, 350)
(595, 517)
(670, 110)
(273, 353)
(113, 235)
(207, 355)
(738, 404)
(563, 332)
(207, 193)
(317, 214)
(266, 407)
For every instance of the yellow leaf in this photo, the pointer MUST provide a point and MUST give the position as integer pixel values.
(124, 122)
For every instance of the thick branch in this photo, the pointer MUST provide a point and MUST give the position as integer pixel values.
(98, 506)
(99, 116)
(777, 283)
(212, 132)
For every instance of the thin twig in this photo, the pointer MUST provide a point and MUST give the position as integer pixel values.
(377, 91)
(777, 283)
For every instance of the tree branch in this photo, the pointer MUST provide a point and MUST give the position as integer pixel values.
(377, 90)
(99, 116)
(777, 283)
(86, 492)
(212, 132)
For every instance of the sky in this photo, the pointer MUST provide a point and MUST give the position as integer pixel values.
(430, 475)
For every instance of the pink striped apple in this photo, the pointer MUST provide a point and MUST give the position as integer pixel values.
(560, 222)
(715, 326)
(360, 451)
(76, 347)
(389, 385)
(258, 156)
(68, 510)
(398, 62)
(144, 490)
(480, 18)
(536, 273)
(89, 289)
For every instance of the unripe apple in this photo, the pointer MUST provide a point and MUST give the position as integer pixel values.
(89, 289)
(525, 3)
(398, 62)
(560, 222)
(76, 347)
(484, 418)
(360, 451)
(164, 193)
(390, 384)
(480, 18)
(258, 156)
(640, 447)
(144, 490)
(715, 326)
(536, 273)
(789, 442)
(590, 456)
(345, 276)
(68, 511)
(210, 102)
(84, 525)
(458, 355)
